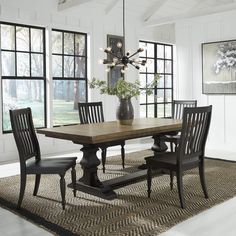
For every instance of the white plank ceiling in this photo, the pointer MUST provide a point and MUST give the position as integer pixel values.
(153, 12)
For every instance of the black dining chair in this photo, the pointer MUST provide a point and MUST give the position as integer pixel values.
(30, 156)
(92, 112)
(177, 113)
(190, 151)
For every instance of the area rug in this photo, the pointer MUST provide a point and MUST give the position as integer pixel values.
(132, 213)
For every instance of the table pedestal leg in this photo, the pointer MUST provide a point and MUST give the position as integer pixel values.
(90, 182)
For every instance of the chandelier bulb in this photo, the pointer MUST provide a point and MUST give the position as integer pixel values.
(100, 61)
(102, 49)
(122, 71)
(119, 44)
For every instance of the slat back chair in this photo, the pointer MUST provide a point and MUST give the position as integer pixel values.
(92, 112)
(177, 113)
(30, 156)
(179, 105)
(190, 152)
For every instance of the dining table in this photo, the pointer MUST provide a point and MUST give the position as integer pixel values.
(92, 136)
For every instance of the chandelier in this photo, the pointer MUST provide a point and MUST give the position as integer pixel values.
(122, 59)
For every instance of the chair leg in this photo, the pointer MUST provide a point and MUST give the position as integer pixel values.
(123, 155)
(37, 182)
(171, 179)
(171, 147)
(179, 176)
(104, 156)
(22, 189)
(63, 190)
(202, 178)
(73, 178)
(149, 180)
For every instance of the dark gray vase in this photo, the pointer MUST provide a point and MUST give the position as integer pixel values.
(125, 112)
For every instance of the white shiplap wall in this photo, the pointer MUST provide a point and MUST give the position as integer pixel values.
(190, 33)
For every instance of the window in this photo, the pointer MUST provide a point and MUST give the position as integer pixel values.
(69, 71)
(23, 71)
(159, 60)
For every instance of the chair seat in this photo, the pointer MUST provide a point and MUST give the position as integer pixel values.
(50, 165)
(169, 160)
(172, 138)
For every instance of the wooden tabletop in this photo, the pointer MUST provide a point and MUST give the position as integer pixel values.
(112, 131)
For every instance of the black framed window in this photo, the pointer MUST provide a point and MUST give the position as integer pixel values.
(69, 71)
(23, 71)
(159, 58)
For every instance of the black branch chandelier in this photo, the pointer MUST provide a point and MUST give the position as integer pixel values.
(122, 59)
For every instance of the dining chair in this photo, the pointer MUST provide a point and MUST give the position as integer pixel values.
(30, 156)
(92, 112)
(190, 151)
(177, 113)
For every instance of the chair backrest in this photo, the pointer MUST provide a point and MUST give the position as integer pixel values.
(196, 123)
(90, 112)
(24, 134)
(179, 105)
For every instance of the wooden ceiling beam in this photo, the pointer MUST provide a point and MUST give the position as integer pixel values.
(110, 6)
(65, 4)
(153, 10)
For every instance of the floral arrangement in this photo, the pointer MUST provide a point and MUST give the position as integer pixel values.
(123, 89)
(227, 60)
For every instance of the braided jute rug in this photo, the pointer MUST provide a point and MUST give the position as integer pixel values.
(132, 213)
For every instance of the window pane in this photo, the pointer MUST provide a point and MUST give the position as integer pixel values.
(67, 94)
(68, 66)
(150, 50)
(69, 43)
(8, 63)
(168, 81)
(160, 95)
(168, 111)
(143, 68)
(151, 98)
(143, 97)
(150, 78)
(168, 68)
(160, 51)
(142, 111)
(22, 39)
(56, 42)
(161, 82)
(168, 95)
(142, 79)
(150, 66)
(143, 53)
(36, 40)
(7, 37)
(56, 66)
(160, 66)
(160, 111)
(80, 67)
(37, 65)
(168, 54)
(150, 111)
(80, 45)
(23, 64)
(20, 94)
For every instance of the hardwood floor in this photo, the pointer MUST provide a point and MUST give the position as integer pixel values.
(219, 220)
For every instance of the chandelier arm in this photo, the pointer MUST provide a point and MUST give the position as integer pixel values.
(133, 54)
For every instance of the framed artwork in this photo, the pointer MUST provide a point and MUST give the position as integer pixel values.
(219, 67)
(115, 73)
